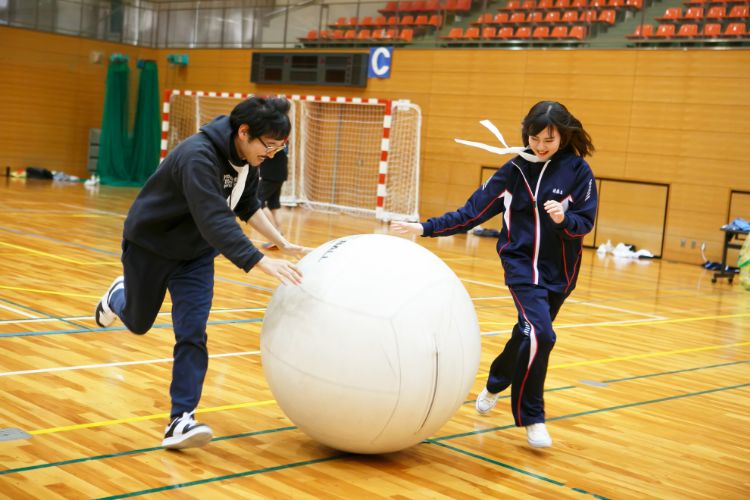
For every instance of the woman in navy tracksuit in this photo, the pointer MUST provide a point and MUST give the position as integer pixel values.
(548, 200)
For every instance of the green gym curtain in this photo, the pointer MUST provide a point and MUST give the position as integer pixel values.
(125, 161)
(114, 146)
(147, 128)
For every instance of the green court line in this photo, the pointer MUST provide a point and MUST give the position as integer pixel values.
(228, 476)
(119, 328)
(47, 316)
(135, 452)
(675, 371)
(514, 469)
(431, 441)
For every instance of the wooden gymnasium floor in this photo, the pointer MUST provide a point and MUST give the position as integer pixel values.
(648, 391)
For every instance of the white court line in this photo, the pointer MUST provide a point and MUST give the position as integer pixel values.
(18, 311)
(491, 285)
(37, 319)
(498, 297)
(123, 363)
(611, 308)
(577, 325)
(92, 210)
(570, 301)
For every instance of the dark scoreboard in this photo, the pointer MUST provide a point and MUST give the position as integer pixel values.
(310, 68)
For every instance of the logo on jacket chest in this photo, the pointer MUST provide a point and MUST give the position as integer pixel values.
(228, 181)
(558, 191)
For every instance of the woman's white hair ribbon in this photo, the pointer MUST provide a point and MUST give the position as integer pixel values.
(519, 150)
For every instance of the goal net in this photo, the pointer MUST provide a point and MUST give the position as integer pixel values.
(346, 154)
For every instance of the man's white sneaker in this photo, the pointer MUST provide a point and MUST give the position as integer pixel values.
(538, 436)
(103, 315)
(486, 401)
(185, 432)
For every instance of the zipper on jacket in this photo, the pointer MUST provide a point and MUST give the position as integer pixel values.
(537, 226)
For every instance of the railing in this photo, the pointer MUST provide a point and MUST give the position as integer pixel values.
(267, 24)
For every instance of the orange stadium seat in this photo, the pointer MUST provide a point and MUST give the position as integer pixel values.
(577, 33)
(735, 30)
(489, 32)
(559, 31)
(716, 12)
(406, 35)
(693, 13)
(665, 31)
(552, 17)
(671, 14)
(540, 33)
(711, 30)
(570, 16)
(739, 12)
(689, 30)
(641, 31)
(505, 33)
(522, 33)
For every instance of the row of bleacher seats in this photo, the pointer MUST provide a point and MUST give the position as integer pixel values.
(426, 7)
(547, 5)
(540, 33)
(364, 36)
(433, 21)
(694, 13)
(690, 31)
(714, 2)
(552, 17)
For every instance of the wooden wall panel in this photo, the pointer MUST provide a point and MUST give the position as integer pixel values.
(631, 213)
(676, 117)
(50, 95)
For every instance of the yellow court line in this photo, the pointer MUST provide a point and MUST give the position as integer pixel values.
(58, 214)
(58, 257)
(479, 376)
(650, 355)
(49, 292)
(636, 323)
(103, 423)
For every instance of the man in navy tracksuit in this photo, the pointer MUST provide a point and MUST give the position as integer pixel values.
(548, 200)
(185, 216)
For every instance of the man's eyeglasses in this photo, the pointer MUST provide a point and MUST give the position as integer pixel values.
(271, 149)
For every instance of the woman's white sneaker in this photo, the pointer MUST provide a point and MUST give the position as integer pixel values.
(538, 436)
(486, 401)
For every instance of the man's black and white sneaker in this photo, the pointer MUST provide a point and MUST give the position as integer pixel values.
(185, 432)
(103, 315)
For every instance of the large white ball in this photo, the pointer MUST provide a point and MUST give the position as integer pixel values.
(376, 349)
